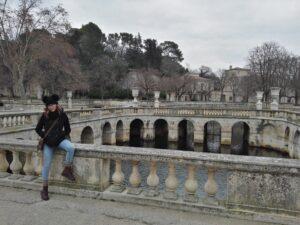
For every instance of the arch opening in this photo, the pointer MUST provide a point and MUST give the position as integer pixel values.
(106, 134)
(87, 135)
(240, 138)
(186, 135)
(136, 133)
(296, 145)
(120, 133)
(161, 134)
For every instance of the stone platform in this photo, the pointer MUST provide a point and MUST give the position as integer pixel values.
(24, 207)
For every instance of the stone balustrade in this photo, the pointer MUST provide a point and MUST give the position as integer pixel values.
(254, 184)
(30, 118)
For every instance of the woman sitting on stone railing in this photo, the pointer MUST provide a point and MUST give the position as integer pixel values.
(56, 120)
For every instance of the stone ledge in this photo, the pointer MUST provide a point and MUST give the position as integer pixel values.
(156, 202)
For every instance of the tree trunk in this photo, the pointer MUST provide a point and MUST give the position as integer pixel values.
(19, 89)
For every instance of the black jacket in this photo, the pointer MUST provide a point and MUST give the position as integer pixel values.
(59, 132)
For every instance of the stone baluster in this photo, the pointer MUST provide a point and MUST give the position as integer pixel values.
(171, 183)
(4, 122)
(19, 120)
(15, 165)
(28, 167)
(39, 165)
(211, 186)
(3, 164)
(23, 120)
(9, 121)
(14, 120)
(191, 185)
(118, 177)
(153, 180)
(135, 179)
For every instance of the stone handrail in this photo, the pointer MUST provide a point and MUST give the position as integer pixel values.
(256, 184)
(15, 119)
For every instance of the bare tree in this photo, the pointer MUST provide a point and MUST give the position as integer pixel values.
(220, 82)
(179, 84)
(270, 65)
(147, 83)
(16, 32)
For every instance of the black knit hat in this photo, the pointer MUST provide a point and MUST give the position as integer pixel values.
(48, 100)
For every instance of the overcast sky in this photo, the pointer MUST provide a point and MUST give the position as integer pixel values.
(215, 33)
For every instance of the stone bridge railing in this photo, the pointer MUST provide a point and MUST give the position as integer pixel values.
(254, 185)
(20, 119)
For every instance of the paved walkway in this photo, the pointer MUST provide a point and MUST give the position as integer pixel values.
(24, 207)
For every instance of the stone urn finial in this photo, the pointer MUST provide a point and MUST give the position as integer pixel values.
(275, 98)
(135, 94)
(259, 97)
(69, 96)
(156, 96)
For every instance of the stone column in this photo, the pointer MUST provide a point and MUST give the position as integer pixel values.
(259, 96)
(275, 98)
(135, 94)
(156, 96)
(69, 96)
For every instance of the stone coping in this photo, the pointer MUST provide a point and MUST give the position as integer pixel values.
(157, 109)
(218, 161)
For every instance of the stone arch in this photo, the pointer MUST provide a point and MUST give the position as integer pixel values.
(120, 133)
(136, 133)
(185, 135)
(240, 138)
(161, 133)
(87, 135)
(296, 145)
(212, 137)
(107, 134)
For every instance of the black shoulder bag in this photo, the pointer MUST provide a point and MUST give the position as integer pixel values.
(40, 145)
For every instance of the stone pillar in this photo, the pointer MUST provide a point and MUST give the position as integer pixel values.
(148, 133)
(135, 94)
(69, 96)
(173, 131)
(156, 96)
(259, 96)
(275, 98)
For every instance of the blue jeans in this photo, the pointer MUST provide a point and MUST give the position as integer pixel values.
(48, 155)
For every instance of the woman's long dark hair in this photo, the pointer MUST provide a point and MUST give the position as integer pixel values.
(58, 108)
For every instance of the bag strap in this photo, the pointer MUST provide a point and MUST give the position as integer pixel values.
(52, 125)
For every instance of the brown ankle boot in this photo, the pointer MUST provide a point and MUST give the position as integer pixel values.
(68, 173)
(44, 193)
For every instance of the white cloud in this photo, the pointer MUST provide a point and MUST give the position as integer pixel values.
(215, 33)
